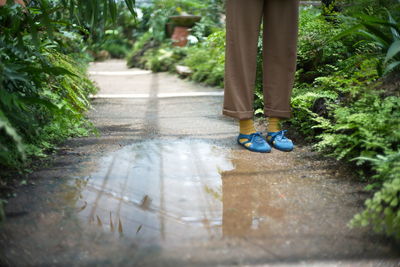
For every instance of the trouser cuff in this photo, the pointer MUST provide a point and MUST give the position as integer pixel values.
(241, 115)
(286, 114)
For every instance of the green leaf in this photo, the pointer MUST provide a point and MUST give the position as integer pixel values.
(113, 10)
(11, 132)
(393, 50)
(58, 71)
(378, 21)
(40, 101)
(377, 35)
(45, 18)
(395, 28)
(346, 32)
(130, 4)
(390, 67)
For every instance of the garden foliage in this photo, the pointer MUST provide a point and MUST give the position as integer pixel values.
(207, 60)
(43, 92)
(43, 83)
(348, 113)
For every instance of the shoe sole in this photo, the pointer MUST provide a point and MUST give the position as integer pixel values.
(268, 151)
(280, 149)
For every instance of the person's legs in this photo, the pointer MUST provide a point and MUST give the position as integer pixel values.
(243, 22)
(280, 34)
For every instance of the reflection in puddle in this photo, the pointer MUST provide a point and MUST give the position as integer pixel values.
(248, 206)
(158, 190)
(173, 191)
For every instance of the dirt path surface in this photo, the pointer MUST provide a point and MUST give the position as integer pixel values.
(166, 184)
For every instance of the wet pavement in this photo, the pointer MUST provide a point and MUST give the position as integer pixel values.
(166, 184)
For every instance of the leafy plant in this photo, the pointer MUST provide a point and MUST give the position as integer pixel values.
(207, 59)
(144, 43)
(114, 42)
(383, 33)
(163, 58)
(370, 126)
(43, 92)
(382, 211)
(93, 15)
(370, 7)
(316, 53)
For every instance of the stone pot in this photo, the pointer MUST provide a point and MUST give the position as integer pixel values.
(178, 28)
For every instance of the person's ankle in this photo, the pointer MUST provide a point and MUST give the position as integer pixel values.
(273, 124)
(246, 126)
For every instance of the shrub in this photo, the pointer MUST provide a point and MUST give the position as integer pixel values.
(384, 34)
(372, 7)
(43, 93)
(315, 55)
(207, 59)
(368, 127)
(357, 122)
(144, 43)
(163, 58)
(382, 211)
(117, 45)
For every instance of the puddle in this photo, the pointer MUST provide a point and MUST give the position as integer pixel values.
(157, 191)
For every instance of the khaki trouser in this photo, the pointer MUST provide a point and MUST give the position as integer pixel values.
(280, 34)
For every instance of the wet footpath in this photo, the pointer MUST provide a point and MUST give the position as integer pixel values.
(166, 184)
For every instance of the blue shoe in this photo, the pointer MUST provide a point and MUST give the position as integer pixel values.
(279, 141)
(258, 143)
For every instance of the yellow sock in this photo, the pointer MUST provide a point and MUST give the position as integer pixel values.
(273, 125)
(246, 127)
